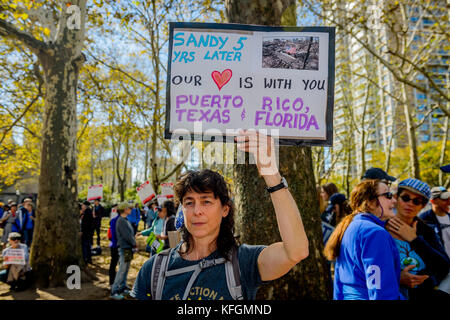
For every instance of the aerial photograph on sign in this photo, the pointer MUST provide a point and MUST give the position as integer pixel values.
(301, 53)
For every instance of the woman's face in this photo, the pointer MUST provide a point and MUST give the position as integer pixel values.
(406, 208)
(162, 213)
(324, 195)
(203, 214)
(385, 206)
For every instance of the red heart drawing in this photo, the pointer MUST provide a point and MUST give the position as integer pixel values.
(221, 79)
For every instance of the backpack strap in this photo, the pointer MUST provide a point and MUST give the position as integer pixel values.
(158, 276)
(233, 275)
(160, 272)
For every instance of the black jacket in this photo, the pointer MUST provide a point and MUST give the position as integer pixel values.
(87, 224)
(437, 264)
(429, 217)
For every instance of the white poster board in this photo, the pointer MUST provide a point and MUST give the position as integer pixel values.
(161, 199)
(14, 256)
(145, 192)
(224, 77)
(95, 192)
(167, 190)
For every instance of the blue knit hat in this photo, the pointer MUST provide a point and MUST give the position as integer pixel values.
(416, 186)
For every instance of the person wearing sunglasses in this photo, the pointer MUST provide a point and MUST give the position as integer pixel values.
(367, 261)
(423, 259)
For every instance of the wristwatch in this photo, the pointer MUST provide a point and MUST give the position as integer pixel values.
(283, 184)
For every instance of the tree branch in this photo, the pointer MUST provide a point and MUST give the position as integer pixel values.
(8, 30)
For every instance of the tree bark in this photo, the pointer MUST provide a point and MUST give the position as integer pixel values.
(56, 243)
(256, 220)
(443, 149)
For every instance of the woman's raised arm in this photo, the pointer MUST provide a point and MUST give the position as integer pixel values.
(278, 258)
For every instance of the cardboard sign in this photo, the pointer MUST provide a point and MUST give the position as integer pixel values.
(174, 238)
(327, 230)
(167, 190)
(14, 256)
(161, 200)
(95, 192)
(145, 192)
(225, 77)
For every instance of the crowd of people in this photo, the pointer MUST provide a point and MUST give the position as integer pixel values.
(388, 245)
(388, 240)
(17, 222)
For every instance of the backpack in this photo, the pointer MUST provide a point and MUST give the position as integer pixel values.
(160, 272)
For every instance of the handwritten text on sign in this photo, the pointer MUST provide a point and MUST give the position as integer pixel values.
(231, 79)
(14, 256)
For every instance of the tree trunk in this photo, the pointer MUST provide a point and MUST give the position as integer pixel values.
(56, 243)
(256, 220)
(411, 133)
(443, 149)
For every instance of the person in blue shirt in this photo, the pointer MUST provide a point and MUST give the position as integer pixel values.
(134, 217)
(114, 248)
(29, 227)
(367, 260)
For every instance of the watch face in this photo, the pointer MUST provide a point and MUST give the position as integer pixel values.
(283, 180)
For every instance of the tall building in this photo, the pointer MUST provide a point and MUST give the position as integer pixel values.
(368, 114)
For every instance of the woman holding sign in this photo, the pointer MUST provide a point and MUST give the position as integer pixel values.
(208, 263)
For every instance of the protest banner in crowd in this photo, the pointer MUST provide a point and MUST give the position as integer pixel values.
(225, 77)
(145, 192)
(167, 190)
(95, 192)
(14, 256)
(161, 198)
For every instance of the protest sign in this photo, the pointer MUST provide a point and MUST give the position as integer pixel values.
(145, 192)
(167, 190)
(226, 77)
(95, 192)
(174, 238)
(161, 199)
(14, 256)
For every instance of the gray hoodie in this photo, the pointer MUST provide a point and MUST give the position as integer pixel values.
(124, 233)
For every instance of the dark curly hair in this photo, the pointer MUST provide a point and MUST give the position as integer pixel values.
(209, 181)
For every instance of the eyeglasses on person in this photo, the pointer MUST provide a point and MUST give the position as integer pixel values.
(387, 195)
(415, 201)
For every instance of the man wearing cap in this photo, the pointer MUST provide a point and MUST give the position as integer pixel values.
(126, 243)
(330, 213)
(438, 217)
(422, 257)
(378, 174)
(17, 270)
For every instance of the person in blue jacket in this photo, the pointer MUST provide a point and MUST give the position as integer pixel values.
(114, 248)
(367, 260)
(134, 217)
